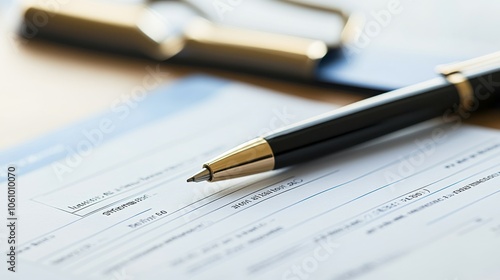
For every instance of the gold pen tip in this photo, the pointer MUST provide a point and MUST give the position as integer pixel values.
(203, 175)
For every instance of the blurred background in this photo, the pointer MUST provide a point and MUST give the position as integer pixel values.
(64, 60)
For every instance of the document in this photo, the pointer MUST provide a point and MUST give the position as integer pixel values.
(107, 198)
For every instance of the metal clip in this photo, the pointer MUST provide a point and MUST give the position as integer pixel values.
(135, 28)
(471, 64)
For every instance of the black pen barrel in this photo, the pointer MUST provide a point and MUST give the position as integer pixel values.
(377, 116)
(363, 121)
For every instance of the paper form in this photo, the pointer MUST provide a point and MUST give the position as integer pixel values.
(423, 204)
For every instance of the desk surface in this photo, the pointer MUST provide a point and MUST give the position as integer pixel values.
(46, 86)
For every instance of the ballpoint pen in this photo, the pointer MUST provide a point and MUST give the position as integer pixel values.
(462, 89)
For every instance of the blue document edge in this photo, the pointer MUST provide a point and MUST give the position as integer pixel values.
(162, 102)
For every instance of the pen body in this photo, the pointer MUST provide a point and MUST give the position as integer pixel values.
(368, 119)
(362, 121)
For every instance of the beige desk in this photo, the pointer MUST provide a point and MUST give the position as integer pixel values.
(45, 86)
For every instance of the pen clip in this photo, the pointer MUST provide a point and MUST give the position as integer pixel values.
(471, 64)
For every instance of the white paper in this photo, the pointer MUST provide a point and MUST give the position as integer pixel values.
(423, 204)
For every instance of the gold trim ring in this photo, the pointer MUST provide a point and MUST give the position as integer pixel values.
(464, 89)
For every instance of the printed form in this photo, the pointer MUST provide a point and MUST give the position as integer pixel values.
(108, 198)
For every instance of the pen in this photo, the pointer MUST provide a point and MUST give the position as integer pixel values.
(462, 89)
